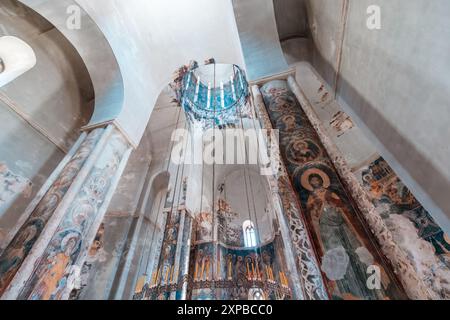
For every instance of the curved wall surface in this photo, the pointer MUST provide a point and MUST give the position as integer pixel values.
(93, 48)
(152, 39)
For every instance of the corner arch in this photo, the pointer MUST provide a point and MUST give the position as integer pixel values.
(96, 53)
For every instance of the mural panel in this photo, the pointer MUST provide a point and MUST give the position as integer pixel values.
(427, 246)
(51, 274)
(239, 273)
(13, 256)
(217, 271)
(347, 253)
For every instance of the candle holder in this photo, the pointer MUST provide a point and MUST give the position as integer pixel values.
(214, 94)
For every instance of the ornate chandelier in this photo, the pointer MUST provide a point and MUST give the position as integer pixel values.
(214, 95)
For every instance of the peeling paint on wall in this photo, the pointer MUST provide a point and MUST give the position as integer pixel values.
(341, 122)
(12, 185)
(333, 221)
(413, 228)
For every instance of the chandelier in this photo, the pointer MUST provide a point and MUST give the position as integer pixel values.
(214, 95)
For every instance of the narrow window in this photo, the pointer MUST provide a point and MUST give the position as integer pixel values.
(249, 234)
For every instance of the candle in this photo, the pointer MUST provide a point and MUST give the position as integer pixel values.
(158, 276)
(229, 270)
(208, 102)
(253, 271)
(203, 270)
(218, 270)
(197, 88)
(222, 95)
(232, 88)
(196, 271)
(188, 81)
(167, 275)
(248, 271)
(171, 273)
(140, 284)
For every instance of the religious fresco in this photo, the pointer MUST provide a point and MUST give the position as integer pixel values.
(51, 275)
(346, 250)
(230, 233)
(224, 273)
(167, 274)
(215, 270)
(167, 278)
(13, 256)
(311, 282)
(428, 247)
(227, 270)
(204, 227)
(96, 253)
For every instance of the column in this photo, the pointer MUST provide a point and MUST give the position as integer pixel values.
(53, 242)
(293, 229)
(349, 258)
(413, 285)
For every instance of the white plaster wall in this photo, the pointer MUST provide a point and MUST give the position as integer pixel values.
(26, 160)
(393, 84)
(291, 18)
(41, 111)
(258, 34)
(240, 183)
(57, 93)
(151, 39)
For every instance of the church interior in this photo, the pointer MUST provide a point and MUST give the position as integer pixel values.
(224, 150)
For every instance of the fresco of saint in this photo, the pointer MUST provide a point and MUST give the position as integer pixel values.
(204, 226)
(55, 270)
(345, 258)
(20, 248)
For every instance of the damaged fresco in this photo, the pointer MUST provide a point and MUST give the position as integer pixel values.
(427, 246)
(346, 250)
(239, 273)
(220, 266)
(12, 186)
(52, 274)
(13, 255)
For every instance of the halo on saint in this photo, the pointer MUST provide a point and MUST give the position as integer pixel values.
(314, 171)
(447, 238)
(70, 235)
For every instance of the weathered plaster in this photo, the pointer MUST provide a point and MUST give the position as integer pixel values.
(259, 39)
(95, 52)
(414, 286)
(390, 82)
(145, 35)
(55, 97)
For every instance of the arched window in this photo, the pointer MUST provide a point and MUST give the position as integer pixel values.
(256, 294)
(249, 234)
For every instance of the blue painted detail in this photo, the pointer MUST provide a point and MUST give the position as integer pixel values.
(222, 109)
